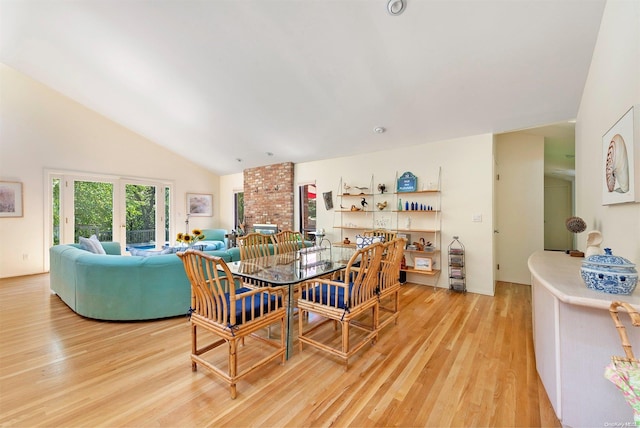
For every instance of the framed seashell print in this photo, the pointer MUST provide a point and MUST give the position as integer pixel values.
(620, 157)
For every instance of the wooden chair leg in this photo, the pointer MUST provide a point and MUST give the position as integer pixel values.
(345, 343)
(194, 347)
(233, 367)
(300, 319)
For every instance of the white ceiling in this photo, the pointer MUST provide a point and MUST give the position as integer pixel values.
(221, 80)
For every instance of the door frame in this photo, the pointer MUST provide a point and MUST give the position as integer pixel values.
(119, 212)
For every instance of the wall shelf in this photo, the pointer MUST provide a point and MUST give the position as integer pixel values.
(419, 225)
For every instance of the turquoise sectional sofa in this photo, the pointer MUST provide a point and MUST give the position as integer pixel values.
(122, 288)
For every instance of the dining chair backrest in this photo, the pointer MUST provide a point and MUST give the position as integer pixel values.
(362, 273)
(211, 280)
(387, 235)
(390, 264)
(288, 241)
(253, 245)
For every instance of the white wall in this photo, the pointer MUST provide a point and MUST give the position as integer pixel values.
(40, 128)
(520, 204)
(467, 189)
(612, 87)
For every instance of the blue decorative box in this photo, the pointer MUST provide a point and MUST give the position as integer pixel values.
(609, 273)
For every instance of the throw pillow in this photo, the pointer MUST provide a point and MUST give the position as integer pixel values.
(97, 244)
(364, 241)
(91, 244)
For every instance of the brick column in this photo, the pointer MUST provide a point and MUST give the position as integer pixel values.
(268, 196)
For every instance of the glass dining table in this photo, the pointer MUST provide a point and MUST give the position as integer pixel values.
(289, 269)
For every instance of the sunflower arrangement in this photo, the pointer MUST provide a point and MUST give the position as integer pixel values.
(190, 238)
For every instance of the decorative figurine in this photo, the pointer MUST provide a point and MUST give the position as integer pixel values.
(575, 225)
(381, 205)
(363, 202)
(346, 189)
(361, 189)
(594, 239)
(382, 188)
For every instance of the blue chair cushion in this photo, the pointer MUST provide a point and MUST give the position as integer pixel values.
(326, 294)
(253, 304)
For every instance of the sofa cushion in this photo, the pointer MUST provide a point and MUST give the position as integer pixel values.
(212, 245)
(326, 294)
(149, 253)
(253, 305)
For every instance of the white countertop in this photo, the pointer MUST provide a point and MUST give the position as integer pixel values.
(560, 274)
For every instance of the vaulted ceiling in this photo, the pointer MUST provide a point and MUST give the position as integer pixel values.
(267, 81)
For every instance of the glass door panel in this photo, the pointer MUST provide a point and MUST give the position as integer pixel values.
(167, 216)
(56, 206)
(93, 210)
(140, 216)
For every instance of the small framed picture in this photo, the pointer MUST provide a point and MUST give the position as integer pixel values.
(10, 199)
(200, 204)
(423, 263)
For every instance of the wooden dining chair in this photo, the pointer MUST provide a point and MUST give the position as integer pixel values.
(389, 281)
(386, 235)
(230, 312)
(253, 245)
(288, 241)
(343, 302)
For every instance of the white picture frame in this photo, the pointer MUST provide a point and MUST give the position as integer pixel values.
(619, 158)
(423, 263)
(11, 201)
(200, 204)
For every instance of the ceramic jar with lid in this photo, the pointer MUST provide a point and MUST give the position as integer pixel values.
(609, 273)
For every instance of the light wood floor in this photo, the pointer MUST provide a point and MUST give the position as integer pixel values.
(454, 360)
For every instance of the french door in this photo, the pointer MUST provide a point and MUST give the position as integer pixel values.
(135, 213)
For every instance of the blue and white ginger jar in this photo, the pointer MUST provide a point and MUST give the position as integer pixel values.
(609, 273)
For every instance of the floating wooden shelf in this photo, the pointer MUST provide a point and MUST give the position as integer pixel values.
(417, 191)
(422, 253)
(411, 269)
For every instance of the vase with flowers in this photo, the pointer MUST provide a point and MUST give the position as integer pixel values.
(189, 239)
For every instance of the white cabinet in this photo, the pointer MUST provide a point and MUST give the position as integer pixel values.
(574, 338)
